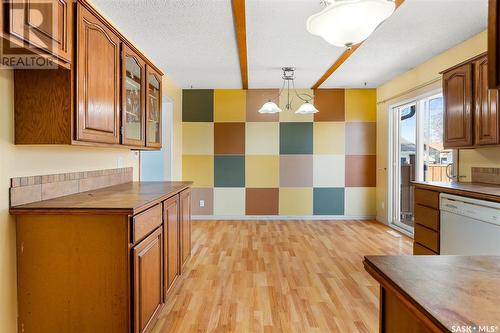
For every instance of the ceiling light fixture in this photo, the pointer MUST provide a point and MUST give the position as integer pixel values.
(288, 84)
(349, 22)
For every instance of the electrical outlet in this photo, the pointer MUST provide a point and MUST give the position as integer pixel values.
(120, 162)
(382, 204)
(202, 203)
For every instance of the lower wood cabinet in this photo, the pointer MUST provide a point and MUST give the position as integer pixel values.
(100, 271)
(147, 259)
(427, 222)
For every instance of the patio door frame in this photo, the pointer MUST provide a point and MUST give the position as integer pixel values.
(394, 156)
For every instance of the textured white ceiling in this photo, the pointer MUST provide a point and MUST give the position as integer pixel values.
(418, 30)
(277, 37)
(194, 42)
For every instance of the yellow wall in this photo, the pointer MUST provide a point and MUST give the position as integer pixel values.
(419, 80)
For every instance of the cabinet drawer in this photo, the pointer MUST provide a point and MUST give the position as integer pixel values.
(428, 217)
(427, 237)
(427, 198)
(421, 250)
(145, 222)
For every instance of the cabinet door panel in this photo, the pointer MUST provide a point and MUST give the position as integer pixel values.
(43, 24)
(457, 91)
(153, 109)
(171, 226)
(185, 198)
(133, 98)
(148, 280)
(486, 113)
(98, 75)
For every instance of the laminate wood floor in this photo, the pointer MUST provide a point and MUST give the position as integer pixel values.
(280, 276)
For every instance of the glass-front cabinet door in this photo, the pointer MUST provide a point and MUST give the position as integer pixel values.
(133, 99)
(153, 109)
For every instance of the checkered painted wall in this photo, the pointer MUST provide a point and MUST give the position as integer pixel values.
(246, 163)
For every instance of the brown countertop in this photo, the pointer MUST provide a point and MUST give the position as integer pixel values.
(129, 198)
(449, 290)
(474, 190)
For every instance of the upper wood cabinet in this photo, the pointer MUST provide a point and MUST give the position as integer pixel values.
(493, 44)
(108, 95)
(486, 106)
(98, 80)
(457, 91)
(148, 280)
(470, 108)
(133, 98)
(153, 108)
(45, 25)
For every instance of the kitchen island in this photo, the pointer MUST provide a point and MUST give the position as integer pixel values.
(437, 293)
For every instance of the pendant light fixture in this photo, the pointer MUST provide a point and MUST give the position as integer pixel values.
(345, 23)
(289, 84)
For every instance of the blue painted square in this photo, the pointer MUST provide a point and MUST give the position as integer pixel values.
(328, 201)
(229, 171)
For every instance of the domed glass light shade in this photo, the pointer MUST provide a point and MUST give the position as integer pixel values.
(306, 108)
(348, 22)
(269, 107)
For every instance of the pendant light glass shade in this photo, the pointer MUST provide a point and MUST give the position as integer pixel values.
(306, 108)
(269, 107)
(349, 22)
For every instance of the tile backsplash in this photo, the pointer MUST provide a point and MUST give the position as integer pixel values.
(30, 189)
(486, 175)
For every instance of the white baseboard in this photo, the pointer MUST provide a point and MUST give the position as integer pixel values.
(282, 217)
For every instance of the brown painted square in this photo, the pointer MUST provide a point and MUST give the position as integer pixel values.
(229, 138)
(360, 171)
(262, 201)
(330, 103)
(255, 99)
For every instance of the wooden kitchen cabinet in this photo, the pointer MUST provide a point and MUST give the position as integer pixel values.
(185, 226)
(147, 259)
(470, 108)
(108, 96)
(153, 108)
(171, 227)
(133, 98)
(98, 80)
(43, 25)
(486, 119)
(458, 107)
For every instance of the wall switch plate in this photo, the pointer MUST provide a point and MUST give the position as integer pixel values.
(120, 162)
(202, 203)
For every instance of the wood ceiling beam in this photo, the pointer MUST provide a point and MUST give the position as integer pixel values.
(240, 28)
(343, 58)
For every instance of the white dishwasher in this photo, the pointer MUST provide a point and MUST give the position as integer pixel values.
(469, 226)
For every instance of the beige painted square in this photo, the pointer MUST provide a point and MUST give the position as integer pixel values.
(262, 138)
(198, 169)
(329, 171)
(290, 115)
(360, 201)
(262, 171)
(360, 105)
(229, 105)
(198, 138)
(229, 201)
(296, 201)
(329, 138)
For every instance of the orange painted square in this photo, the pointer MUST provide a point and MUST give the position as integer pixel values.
(330, 103)
(229, 138)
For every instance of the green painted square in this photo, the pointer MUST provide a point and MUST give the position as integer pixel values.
(229, 171)
(198, 105)
(328, 201)
(296, 138)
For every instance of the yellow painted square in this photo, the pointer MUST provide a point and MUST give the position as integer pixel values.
(198, 169)
(262, 171)
(329, 138)
(262, 138)
(198, 138)
(360, 201)
(290, 115)
(229, 105)
(360, 105)
(296, 201)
